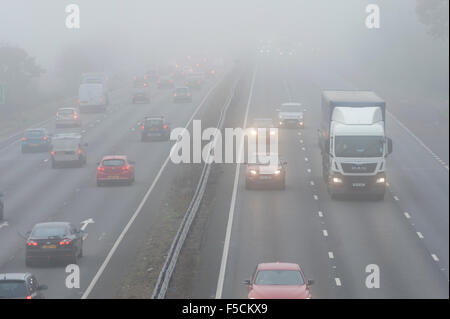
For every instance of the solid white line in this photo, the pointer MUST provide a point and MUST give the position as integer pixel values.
(330, 255)
(316, 197)
(395, 197)
(338, 281)
(312, 183)
(226, 247)
(435, 257)
(138, 210)
(408, 216)
(420, 235)
(308, 170)
(325, 232)
(320, 214)
(418, 140)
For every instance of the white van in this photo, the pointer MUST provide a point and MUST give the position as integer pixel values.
(92, 97)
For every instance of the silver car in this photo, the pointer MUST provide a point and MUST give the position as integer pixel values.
(68, 148)
(68, 116)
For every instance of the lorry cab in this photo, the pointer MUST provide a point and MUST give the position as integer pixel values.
(355, 146)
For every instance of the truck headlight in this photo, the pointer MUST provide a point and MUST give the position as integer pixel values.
(277, 172)
(301, 123)
(253, 172)
(254, 132)
(272, 132)
(381, 180)
(337, 180)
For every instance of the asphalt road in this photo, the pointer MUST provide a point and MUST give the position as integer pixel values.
(36, 193)
(406, 235)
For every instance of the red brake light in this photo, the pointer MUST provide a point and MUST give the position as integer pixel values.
(100, 168)
(24, 139)
(52, 153)
(125, 168)
(28, 297)
(80, 151)
(31, 243)
(143, 127)
(65, 242)
(44, 138)
(164, 126)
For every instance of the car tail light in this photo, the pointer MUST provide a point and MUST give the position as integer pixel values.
(164, 126)
(143, 127)
(52, 153)
(24, 139)
(65, 241)
(44, 138)
(100, 169)
(174, 94)
(125, 168)
(79, 151)
(32, 243)
(28, 297)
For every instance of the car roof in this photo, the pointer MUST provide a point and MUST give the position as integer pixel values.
(154, 117)
(15, 276)
(110, 157)
(52, 224)
(36, 129)
(66, 136)
(278, 266)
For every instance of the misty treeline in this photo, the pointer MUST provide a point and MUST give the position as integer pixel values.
(434, 14)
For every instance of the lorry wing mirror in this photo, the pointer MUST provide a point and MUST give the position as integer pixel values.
(390, 146)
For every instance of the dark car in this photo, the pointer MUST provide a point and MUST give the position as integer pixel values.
(20, 286)
(1, 207)
(36, 139)
(155, 127)
(195, 81)
(271, 174)
(182, 94)
(165, 82)
(52, 241)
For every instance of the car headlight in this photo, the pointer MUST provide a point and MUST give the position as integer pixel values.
(253, 172)
(381, 180)
(337, 180)
(254, 132)
(277, 172)
(272, 132)
(281, 122)
(301, 123)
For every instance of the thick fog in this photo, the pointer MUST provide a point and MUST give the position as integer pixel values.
(133, 35)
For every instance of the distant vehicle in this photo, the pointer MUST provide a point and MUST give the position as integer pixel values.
(96, 77)
(195, 80)
(115, 168)
(266, 174)
(182, 94)
(68, 148)
(92, 97)
(68, 116)
(36, 139)
(2, 207)
(278, 281)
(353, 143)
(165, 82)
(290, 115)
(155, 127)
(187, 70)
(54, 241)
(20, 286)
(141, 91)
(210, 73)
(151, 75)
(263, 123)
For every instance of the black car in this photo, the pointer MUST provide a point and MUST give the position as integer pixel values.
(182, 94)
(155, 127)
(1, 207)
(54, 240)
(20, 286)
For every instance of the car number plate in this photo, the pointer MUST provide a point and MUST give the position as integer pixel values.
(359, 184)
(265, 177)
(49, 246)
(113, 177)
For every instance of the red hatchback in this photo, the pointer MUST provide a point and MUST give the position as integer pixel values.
(115, 168)
(278, 281)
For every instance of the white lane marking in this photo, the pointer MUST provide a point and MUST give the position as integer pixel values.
(308, 170)
(303, 148)
(320, 214)
(301, 141)
(396, 198)
(408, 216)
(45, 160)
(420, 235)
(85, 223)
(330, 255)
(435, 257)
(316, 197)
(223, 264)
(418, 140)
(138, 210)
(299, 133)
(306, 159)
(4, 224)
(312, 183)
(325, 233)
(338, 281)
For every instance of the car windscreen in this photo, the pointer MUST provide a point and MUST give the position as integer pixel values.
(153, 122)
(279, 277)
(49, 231)
(290, 108)
(12, 289)
(34, 133)
(359, 146)
(113, 162)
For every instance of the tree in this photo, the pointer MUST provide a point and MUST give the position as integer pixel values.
(434, 14)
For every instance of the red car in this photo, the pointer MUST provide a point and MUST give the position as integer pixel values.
(115, 168)
(278, 281)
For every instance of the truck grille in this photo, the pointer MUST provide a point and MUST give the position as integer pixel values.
(359, 168)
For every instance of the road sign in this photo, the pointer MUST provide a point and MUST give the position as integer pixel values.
(2, 94)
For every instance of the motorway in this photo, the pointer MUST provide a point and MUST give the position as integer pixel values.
(406, 235)
(36, 193)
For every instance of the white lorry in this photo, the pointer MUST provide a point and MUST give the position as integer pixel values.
(92, 97)
(353, 143)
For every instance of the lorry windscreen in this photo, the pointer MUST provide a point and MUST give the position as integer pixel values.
(359, 146)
